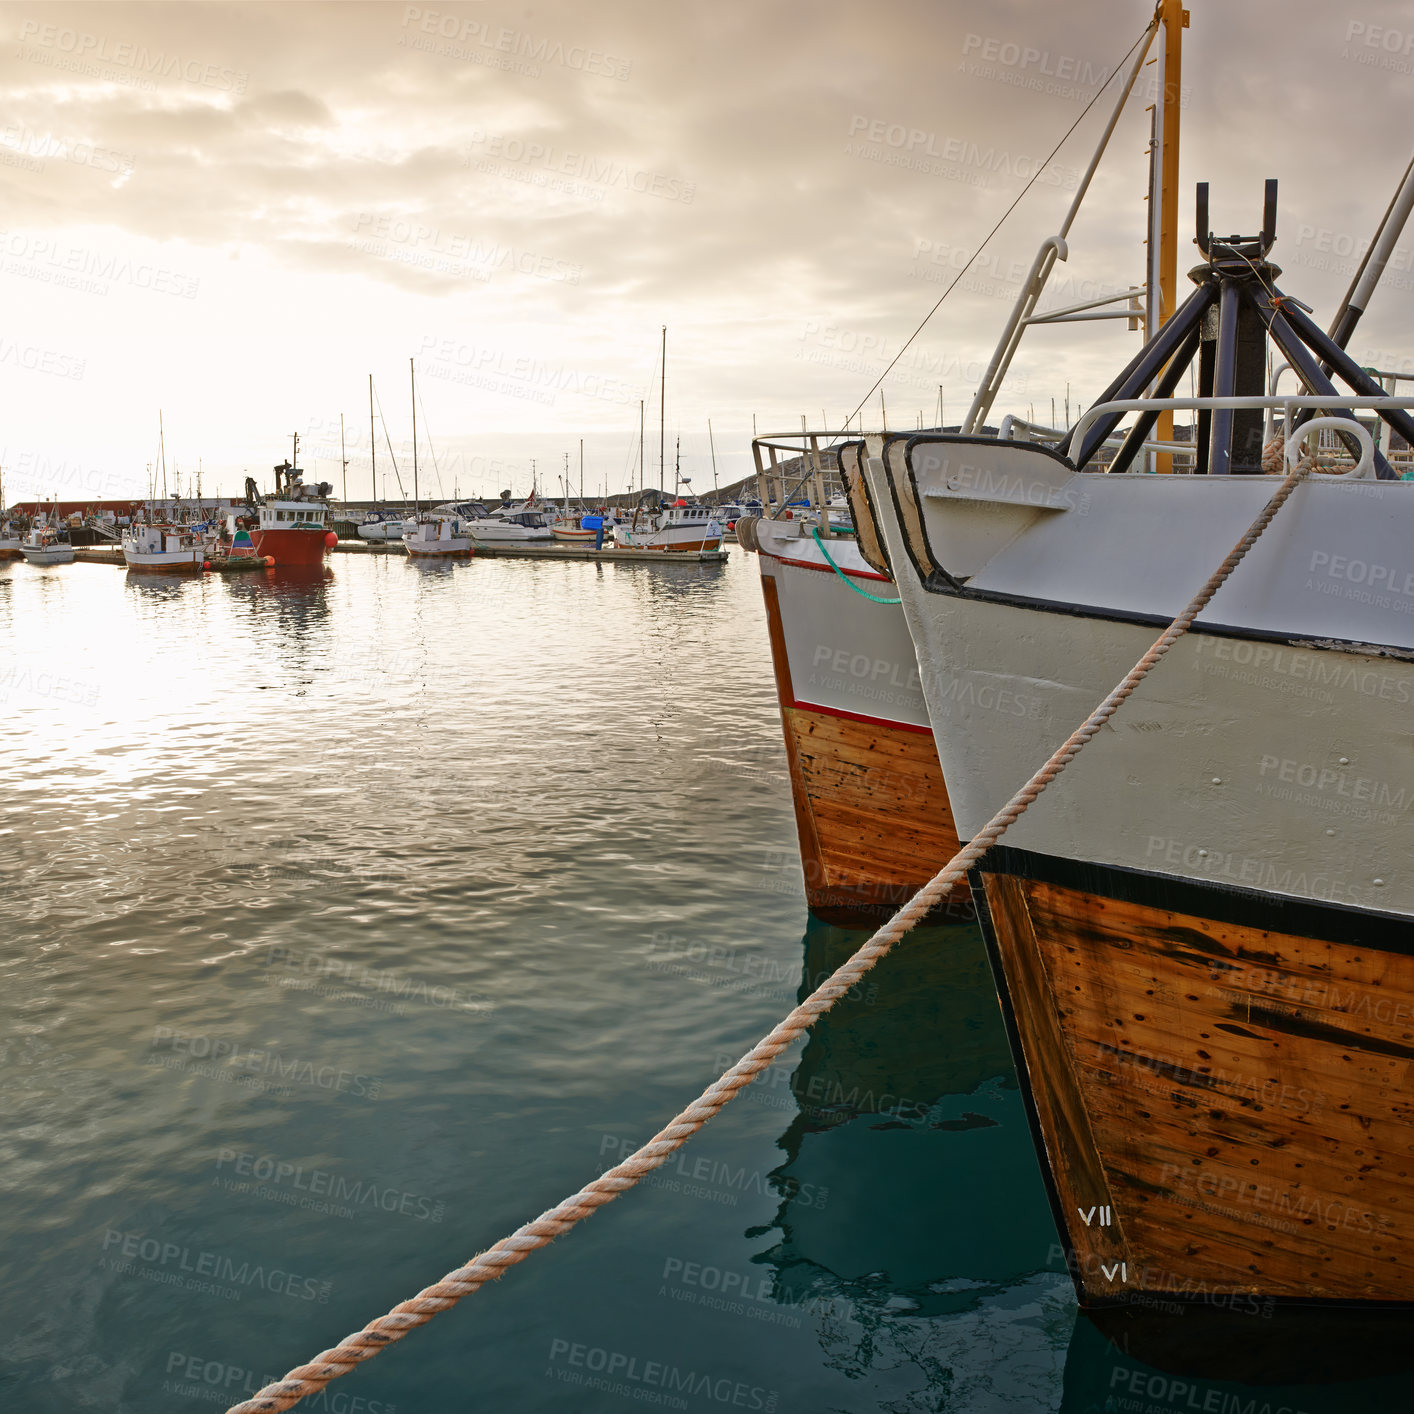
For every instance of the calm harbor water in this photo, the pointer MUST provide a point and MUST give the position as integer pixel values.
(349, 921)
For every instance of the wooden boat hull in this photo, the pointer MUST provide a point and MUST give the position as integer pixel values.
(1203, 930)
(872, 813)
(1217, 1083)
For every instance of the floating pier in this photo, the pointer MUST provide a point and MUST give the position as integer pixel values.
(554, 551)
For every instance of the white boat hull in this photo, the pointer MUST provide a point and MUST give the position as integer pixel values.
(1269, 751)
(48, 554)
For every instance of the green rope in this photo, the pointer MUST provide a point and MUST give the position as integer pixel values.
(863, 593)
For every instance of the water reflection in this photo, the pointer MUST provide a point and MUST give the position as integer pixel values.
(930, 1256)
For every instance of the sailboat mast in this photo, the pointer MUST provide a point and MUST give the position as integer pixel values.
(343, 460)
(581, 473)
(663, 411)
(372, 441)
(413, 373)
(162, 452)
(713, 446)
(640, 451)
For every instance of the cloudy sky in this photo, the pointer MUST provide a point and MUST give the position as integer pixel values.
(234, 213)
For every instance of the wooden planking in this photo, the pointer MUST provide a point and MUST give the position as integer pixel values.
(1079, 1180)
(871, 810)
(1246, 1091)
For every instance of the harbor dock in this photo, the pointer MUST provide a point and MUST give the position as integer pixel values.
(531, 551)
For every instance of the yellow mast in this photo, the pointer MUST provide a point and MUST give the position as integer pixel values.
(1175, 21)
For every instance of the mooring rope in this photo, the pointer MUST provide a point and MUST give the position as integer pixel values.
(378, 1334)
(863, 593)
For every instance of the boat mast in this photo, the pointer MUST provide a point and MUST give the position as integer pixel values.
(343, 458)
(162, 451)
(662, 411)
(581, 473)
(413, 372)
(713, 446)
(372, 440)
(640, 451)
(1163, 195)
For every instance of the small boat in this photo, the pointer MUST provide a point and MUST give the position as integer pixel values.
(10, 540)
(508, 526)
(44, 545)
(381, 526)
(574, 532)
(437, 537)
(684, 526)
(163, 548)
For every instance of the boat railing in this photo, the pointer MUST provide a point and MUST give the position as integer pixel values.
(811, 468)
(1288, 404)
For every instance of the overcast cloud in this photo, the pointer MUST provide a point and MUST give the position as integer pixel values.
(235, 213)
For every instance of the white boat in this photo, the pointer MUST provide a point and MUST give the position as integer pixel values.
(683, 526)
(381, 526)
(511, 527)
(10, 539)
(163, 548)
(437, 537)
(46, 546)
(570, 532)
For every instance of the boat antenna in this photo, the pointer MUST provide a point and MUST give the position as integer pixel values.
(713, 446)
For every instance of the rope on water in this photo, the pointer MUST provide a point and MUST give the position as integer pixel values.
(363, 1345)
(829, 560)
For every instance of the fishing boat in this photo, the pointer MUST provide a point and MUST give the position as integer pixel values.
(290, 526)
(164, 548)
(872, 813)
(47, 545)
(683, 526)
(1202, 930)
(438, 537)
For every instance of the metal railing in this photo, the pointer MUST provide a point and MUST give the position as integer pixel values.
(1288, 404)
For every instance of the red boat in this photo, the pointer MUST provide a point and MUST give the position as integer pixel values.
(291, 526)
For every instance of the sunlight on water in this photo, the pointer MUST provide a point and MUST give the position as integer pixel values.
(353, 919)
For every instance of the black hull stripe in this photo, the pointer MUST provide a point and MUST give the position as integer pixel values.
(1211, 899)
